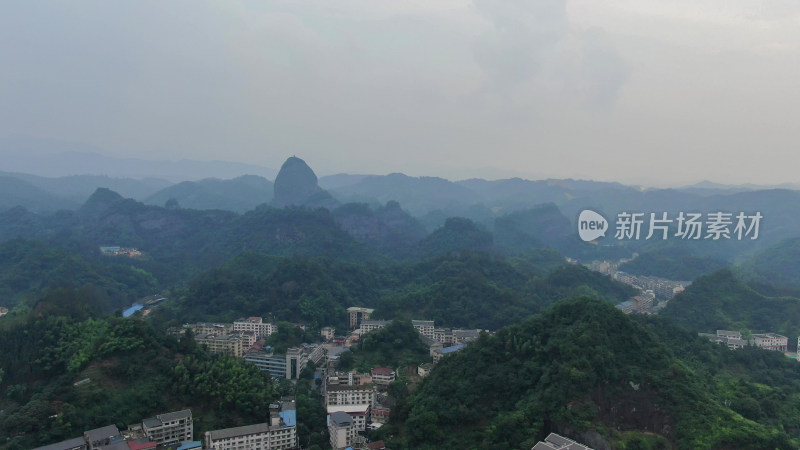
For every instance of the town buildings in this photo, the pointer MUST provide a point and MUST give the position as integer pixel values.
(278, 434)
(734, 340)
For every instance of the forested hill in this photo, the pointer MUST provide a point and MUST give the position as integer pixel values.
(585, 370)
(722, 301)
(127, 371)
(466, 289)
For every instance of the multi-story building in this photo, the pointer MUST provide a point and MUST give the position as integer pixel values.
(315, 352)
(732, 339)
(359, 414)
(380, 414)
(255, 324)
(341, 429)
(425, 327)
(204, 328)
(382, 376)
(351, 378)
(770, 341)
(170, 427)
(372, 325)
(464, 336)
(350, 395)
(288, 365)
(357, 315)
(249, 338)
(327, 333)
(277, 434)
(226, 343)
(102, 437)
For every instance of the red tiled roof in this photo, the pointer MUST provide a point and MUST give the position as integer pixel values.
(382, 371)
(139, 446)
(377, 445)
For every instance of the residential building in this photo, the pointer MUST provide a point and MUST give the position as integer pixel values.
(327, 333)
(464, 336)
(277, 434)
(359, 414)
(350, 395)
(288, 366)
(225, 343)
(425, 327)
(341, 430)
(217, 329)
(315, 352)
(380, 414)
(372, 325)
(255, 324)
(357, 315)
(732, 339)
(351, 378)
(557, 442)
(424, 369)
(627, 307)
(102, 437)
(770, 341)
(3, 311)
(170, 427)
(382, 376)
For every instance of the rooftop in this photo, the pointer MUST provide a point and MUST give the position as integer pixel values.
(101, 433)
(177, 415)
(239, 431)
(69, 444)
(382, 371)
(360, 309)
(341, 419)
(452, 349)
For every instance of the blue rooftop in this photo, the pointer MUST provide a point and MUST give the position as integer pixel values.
(190, 444)
(452, 349)
(129, 312)
(289, 417)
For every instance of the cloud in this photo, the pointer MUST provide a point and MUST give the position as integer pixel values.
(532, 50)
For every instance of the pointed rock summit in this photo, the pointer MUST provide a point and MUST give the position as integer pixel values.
(101, 200)
(296, 184)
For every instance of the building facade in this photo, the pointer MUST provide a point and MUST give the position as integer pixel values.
(226, 343)
(255, 324)
(280, 433)
(170, 427)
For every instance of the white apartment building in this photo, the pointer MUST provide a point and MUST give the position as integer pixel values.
(341, 430)
(770, 341)
(425, 328)
(350, 395)
(170, 427)
(279, 434)
(372, 325)
(255, 324)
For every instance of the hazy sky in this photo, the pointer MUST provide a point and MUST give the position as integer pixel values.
(642, 91)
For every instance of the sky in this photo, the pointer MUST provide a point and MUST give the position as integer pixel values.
(651, 92)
